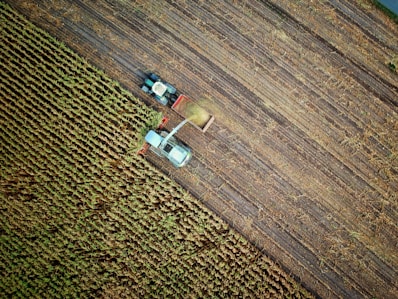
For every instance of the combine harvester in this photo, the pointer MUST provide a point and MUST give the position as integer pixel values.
(162, 142)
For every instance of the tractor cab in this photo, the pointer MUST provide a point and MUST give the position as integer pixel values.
(162, 91)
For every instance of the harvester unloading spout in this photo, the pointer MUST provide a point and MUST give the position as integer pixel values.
(174, 131)
(165, 144)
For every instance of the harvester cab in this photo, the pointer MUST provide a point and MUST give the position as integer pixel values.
(165, 144)
(163, 92)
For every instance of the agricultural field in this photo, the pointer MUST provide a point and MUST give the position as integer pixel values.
(82, 215)
(302, 157)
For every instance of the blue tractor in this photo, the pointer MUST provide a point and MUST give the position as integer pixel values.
(163, 92)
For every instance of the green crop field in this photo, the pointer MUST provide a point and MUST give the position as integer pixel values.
(81, 214)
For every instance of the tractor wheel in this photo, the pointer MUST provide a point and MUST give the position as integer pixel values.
(171, 89)
(162, 100)
(153, 77)
(145, 88)
(148, 82)
(173, 98)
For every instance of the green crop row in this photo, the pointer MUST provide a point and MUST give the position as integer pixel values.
(81, 214)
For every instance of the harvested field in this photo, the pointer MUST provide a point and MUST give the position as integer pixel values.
(82, 215)
(302, 157)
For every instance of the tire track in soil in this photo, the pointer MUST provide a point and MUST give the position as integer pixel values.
(359, 19)
(351, 173)
(236, 180)
(247, 213)
(266, 231)
(384, 89)
(328, 105)
(238, 206)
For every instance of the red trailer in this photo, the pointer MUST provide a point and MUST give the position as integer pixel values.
(192, 111)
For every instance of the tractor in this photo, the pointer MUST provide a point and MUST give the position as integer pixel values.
(163, 92)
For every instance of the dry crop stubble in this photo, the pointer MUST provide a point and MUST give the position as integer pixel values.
(81, 214)
(314, 127)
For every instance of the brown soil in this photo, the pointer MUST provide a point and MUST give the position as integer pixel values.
(302, 157)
